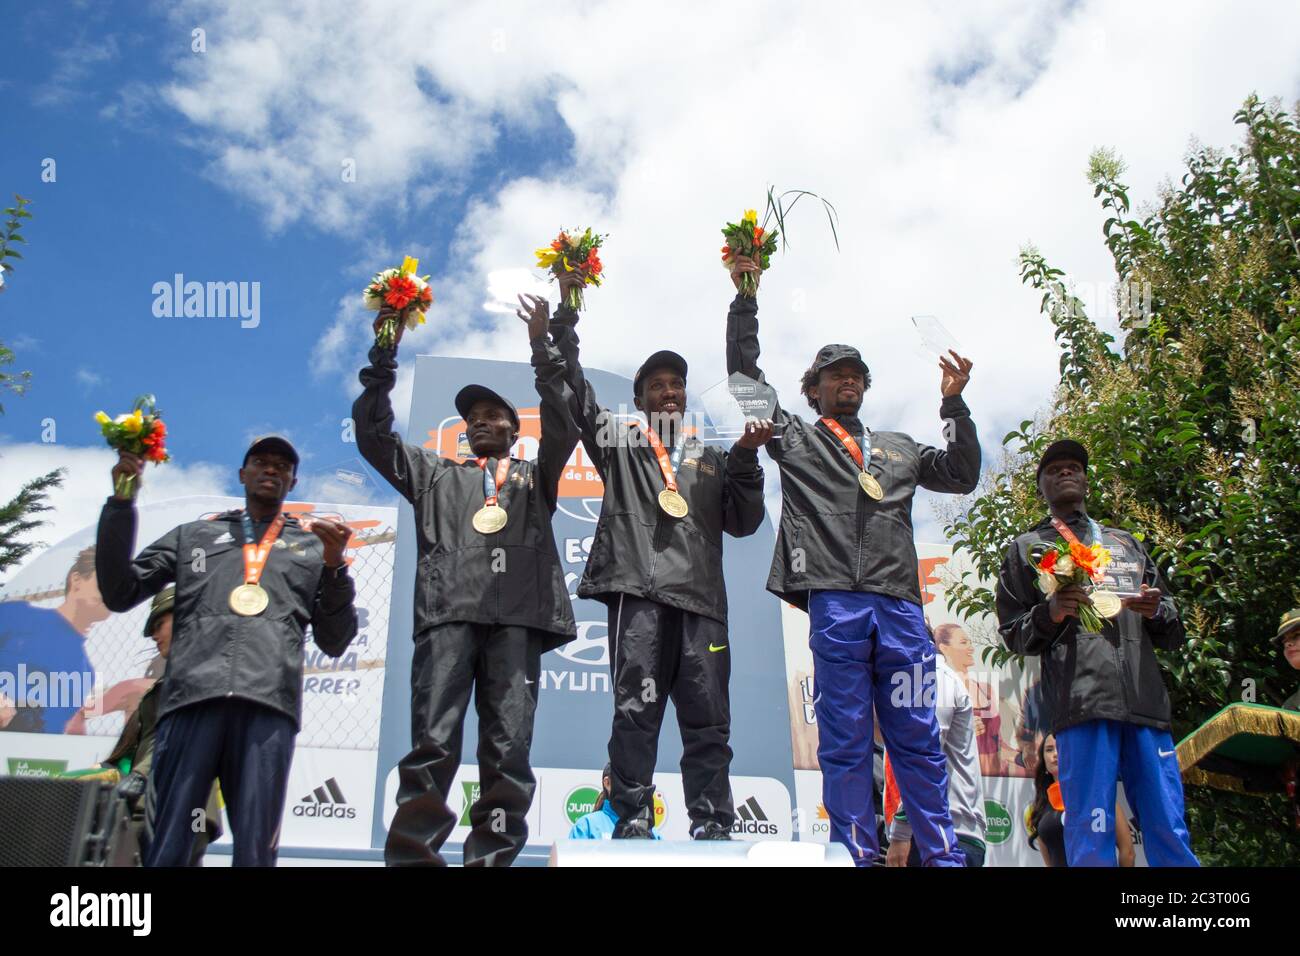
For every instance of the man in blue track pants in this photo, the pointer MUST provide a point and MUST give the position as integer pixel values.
(845, 554)
(1104, 694)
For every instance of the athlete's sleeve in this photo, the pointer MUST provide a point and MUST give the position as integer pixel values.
(408, 468)
(954, 469)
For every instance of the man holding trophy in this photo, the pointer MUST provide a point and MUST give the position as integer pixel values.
(845, 554)
(656, 562)
(490, 596)
(1102, 688)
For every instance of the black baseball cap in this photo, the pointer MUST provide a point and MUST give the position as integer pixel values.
(273, 443)
(661, 359)
(1065, 449)
(163, 603)
(830, 354)
(467, 396)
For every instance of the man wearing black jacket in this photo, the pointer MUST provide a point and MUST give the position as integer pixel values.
(1105, 698)
(490, 599)
(248, 583)
(656, 562)
(845, 555)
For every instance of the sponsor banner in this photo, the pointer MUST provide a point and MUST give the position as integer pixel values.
(46, 755)
(563, 796)
(329, 801)
(810, 819)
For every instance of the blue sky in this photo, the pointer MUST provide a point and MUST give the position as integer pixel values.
(946, 136)
(133, 204)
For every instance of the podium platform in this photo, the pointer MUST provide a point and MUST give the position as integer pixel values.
(696, 853)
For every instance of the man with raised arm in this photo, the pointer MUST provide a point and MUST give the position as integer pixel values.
(845, 555)
(490, 599)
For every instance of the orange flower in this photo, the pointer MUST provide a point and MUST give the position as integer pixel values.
(758, 234)
(1084, 557)
(401, 290)
(1048, 562)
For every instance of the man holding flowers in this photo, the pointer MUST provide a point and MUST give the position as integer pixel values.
(1089, 600)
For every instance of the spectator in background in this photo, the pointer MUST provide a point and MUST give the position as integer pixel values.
(1044, 820)
(959, 652)
(50, 642)
(955, 711)
(133, 753)
(599, 824)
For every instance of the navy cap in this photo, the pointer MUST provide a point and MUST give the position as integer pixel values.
(1065, 449)
(661, 359)
(277, 444)
(470, 394)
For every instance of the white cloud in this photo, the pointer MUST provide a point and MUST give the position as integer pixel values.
(946, 135)
(87, 484)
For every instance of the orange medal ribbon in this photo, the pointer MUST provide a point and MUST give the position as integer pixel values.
(255, 555)
(503, 469)
(846, 440)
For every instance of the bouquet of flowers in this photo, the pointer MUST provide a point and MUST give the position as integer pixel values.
(139, 432)
(569, 252)
(758, 242)
(402, 290)
(1066, 563)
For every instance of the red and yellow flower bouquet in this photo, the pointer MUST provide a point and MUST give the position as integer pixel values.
(139, 432)
(570, 252)
(1073, 562)
(758, 241)
(403, 290)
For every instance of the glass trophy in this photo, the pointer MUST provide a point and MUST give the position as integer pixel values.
(934, 337)
(736, 400)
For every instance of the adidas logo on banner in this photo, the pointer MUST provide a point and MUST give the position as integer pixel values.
(325, 801)
(750, 819)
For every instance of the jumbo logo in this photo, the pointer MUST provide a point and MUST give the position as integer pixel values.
(579, 480)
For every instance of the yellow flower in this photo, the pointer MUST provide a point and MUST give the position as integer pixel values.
(132, 423)
(751, 216)
(101, 418)
(546, 257)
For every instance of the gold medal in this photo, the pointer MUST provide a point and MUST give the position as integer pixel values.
(249, 600)
(870, 485)
(1106, 603)
(489, 519)
(672, 503)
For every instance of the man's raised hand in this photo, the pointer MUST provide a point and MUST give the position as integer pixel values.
(743, 264)
(536, 314)
(388, 312)
(956, 373)
(757, 433)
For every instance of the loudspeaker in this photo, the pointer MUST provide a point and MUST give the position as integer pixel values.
(45, 821)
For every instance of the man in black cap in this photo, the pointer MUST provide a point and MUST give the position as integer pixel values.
(1103, 693)
(133, 752)
(490, 599)
(248, 582)
(656, 562)
(845, 555)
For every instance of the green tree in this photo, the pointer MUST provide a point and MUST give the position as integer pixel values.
(10, 237)
(1193, 426)
(16, 514)
(16, 518)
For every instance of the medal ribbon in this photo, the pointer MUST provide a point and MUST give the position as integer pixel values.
(667, 465)
(491, 490)
(1064, 531)
(255, 555)
(847, 441)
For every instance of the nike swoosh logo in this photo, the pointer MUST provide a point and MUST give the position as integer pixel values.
(1166, 753)
(527, 681)
(716, 649)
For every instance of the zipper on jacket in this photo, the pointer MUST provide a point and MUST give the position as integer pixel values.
(862, 530)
